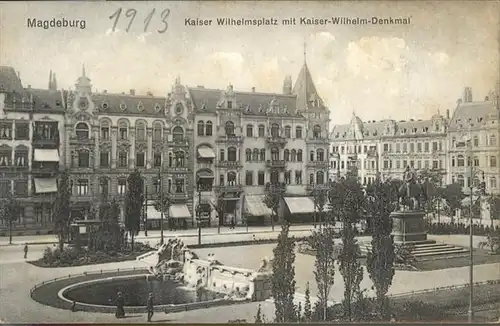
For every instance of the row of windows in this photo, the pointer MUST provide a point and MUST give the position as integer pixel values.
(82, 131)
(20, 156)
(410, 147)
(491, 140)
(419, 164)
(461, 180)
(205, 129)
(21, 130)
(177, 159)
(460, 161)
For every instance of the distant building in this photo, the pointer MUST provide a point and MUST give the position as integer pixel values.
(388, 147)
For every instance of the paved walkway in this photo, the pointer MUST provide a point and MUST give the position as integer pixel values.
(156, 235)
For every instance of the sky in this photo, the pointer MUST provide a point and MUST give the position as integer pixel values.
(377, 71)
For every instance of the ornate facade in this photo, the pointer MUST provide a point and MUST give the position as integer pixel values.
(231, 143)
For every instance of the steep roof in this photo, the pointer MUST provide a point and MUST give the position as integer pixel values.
(110, 103)
(252, 103)
(473, 113)
(46, 100)
(306, 91)
(9, 80)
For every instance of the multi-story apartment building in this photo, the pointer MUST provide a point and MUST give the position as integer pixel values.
(388, 147)
(231, 143)
(473, 141)
(30, 143)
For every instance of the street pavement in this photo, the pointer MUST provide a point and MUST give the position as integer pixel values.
(17, 277)
(209, 235)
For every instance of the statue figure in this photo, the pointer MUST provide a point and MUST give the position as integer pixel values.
(411, 192)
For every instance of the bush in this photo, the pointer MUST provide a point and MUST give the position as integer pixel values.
(71, 256)
(420, 311)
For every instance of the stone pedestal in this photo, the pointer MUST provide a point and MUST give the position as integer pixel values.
(408, 227)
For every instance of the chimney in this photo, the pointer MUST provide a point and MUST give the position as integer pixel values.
(448, 114)
(467, 95)
(105, 91)
(486, 98)
(253, 89)
(132, 91)
(149, 94)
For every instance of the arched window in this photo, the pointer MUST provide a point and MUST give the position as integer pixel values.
(275, 154)
(140, 130)
(493, 183)
(231, 178)
(104, 130)
(460, 180)
(178, 134)
(298, 132)
(201, 128)
(157, 131)
(275, 177)
(286, 155)
(288, 132)
(180, 159)
(293, 155)
(299, 155)
(208, 128)
(231, 154)
(170, 159)
(493, 140)
(476, 161)
(460, 160)
(320, 177)
(275, 130)
(453, 142)
(453, 161)
(82, 131)
(320, 155)
(255, 155)
(476, 141)
(493, 161)
(262, 131)
(311, 156)
(262, 154)
(221, 155)
(316, 132)
(249, 131)
(104, 186)
(229, 128)
(248, 154)
(311, 178)
(20, 156)
(5, 156)
(123, 130)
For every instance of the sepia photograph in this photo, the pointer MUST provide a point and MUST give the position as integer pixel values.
(249, 162)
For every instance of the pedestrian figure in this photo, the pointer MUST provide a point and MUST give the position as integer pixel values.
(120, 303)
(253, 237)
(232, 223)
(150, 307)
(25, 250)
(73, 306)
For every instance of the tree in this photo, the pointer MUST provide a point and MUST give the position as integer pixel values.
(8, 212)
(133, 204)
(492, 241)
(283, 279)
(307, 305)
(62, 210)
(323, 243)
(380, 261)
(494, 203)
(453, 195)
(273, 194)
(258, 316)
(320, 197)
(220, 208)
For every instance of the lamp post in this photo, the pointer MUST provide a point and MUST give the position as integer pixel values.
(470, 313)
(198, 210)
(161, 208)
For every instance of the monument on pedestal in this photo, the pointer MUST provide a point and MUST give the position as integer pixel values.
(408, 225)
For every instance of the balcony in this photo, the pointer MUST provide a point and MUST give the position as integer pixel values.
(39, 141)
(229, 188)
(318, 164)
(229, 164)
(178, 197)
(74, 140)
(276, 164)
(318, 141)
(277, 141)
(177, 169)
(233, 139)
(13, 168)
(45, 169)
(178, 143)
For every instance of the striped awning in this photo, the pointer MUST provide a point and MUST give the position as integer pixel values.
(300, 205)
(179, 211)
(46, 155)
(206, 152)
(254, 206)
(153, 213)
(45, 185)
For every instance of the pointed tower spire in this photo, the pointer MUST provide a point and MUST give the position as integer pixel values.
(54, 82)
(83, 70)
(50, 79)
(305, 52)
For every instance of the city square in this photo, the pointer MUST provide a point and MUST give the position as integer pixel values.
(210, 167)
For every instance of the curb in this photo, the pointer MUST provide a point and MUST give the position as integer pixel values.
(191, 235)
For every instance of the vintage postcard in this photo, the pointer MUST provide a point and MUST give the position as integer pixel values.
(249, 162)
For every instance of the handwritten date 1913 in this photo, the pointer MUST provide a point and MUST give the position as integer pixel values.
(131, 13)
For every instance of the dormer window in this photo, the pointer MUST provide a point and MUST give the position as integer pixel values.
(140, 107)
(204, 106)
(104, 105)
(178, 109)
(157, 107)
(229, 128)
(123, 106)
(229, 104)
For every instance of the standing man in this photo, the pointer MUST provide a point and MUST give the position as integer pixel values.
(25, 251)
(150, 307)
